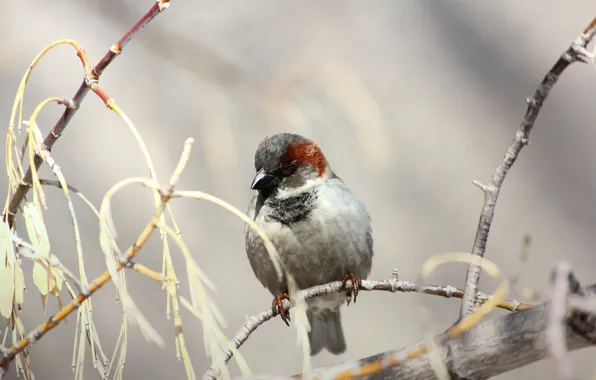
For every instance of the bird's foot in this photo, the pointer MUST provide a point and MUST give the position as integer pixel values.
(356, 285)
(278, 307)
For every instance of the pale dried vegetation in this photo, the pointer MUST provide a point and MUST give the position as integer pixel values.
(27, 150)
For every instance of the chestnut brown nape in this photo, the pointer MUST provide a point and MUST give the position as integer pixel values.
(306, 152)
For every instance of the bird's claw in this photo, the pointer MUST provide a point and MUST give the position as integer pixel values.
(278, 307)
(356, 285)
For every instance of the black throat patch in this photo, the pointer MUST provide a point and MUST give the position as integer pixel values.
(291, 210)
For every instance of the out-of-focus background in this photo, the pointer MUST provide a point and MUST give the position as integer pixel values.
(410, 101)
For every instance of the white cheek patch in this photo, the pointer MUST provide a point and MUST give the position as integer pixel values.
(310, 183)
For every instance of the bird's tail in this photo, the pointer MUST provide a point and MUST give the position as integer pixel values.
(326, 332)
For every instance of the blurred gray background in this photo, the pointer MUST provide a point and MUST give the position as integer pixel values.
(410, 101)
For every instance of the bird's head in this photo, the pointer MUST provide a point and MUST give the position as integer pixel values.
(287, 161)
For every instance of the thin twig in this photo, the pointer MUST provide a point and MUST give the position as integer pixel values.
(56, 183)
(147, 272)
(85, 311)
(94, 286)
(27, 251)
(576, 52)
(90, 81)
(392, 285)
(445, 342)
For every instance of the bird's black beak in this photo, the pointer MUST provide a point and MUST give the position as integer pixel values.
(263, 180)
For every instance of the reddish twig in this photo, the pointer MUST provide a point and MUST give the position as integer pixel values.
(90, 82)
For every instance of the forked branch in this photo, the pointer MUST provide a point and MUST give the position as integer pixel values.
(90, 82)
(492, 347)
(87, 292)
(576, 52)
(393, 285)
(125, 261)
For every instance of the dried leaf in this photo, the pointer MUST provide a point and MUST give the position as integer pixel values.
(6, 286)
(48, 279)
(41, 279)
(19, 285)
(8, 263)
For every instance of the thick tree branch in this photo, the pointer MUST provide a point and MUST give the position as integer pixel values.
(576, 52)
(564, 283)
(393, 285)
(492, 347)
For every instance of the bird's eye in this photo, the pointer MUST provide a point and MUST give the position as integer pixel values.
(288, 168)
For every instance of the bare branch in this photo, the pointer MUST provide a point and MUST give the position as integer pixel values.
(393, 285)
(87, 292)
(72, 105)
(576, 52)
(27, 251)
(492, 347)
(56, 183)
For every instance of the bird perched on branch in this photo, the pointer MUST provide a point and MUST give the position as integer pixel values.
(320, 229)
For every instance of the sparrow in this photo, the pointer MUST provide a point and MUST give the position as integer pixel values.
(321, 230)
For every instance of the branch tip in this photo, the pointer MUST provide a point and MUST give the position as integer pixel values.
(163, 4)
